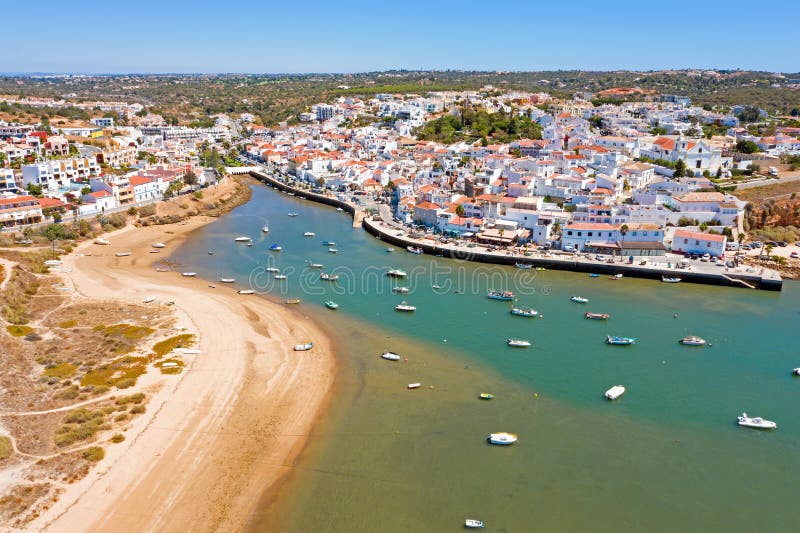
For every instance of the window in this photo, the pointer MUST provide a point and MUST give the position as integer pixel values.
(589, 234)
(633, 233)
(697, 165)
(644, 234)
(569, 232)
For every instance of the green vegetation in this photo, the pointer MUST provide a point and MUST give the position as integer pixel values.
(67, 324)
(471, 125)
(128, 331)
(747, 147)
(116, 438)
(133, 398)
(167, 345)
(19, 331)
(5, 448)
(61, 370)
(121, 373)
(80, 425)
(94, 454)
(175, 366)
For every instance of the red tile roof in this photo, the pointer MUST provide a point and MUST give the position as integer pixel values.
(686, 234)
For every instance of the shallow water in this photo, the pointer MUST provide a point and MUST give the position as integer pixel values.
(666, 455)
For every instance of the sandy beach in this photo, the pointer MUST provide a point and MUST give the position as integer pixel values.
(226, 430)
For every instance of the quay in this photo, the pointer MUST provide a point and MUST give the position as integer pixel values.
(393, 233)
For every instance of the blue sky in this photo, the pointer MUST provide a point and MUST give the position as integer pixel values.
(356, 35)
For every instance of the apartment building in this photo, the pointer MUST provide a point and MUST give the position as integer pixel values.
(18, 210)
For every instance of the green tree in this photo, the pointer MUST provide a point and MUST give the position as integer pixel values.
(189, 178)
(35, 190)
(747, 147)
(460, 210)
(86, 190)
(680, 169)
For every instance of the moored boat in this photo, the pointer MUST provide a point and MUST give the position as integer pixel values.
(226, 280)
(502, 438)
(328, 277)
(265, 229)
(149, 299)
(397, 273)
(333, 250)
(500, 295)
(523, 266)
(280, 276)
(309, 234)
(597, 316)
(615, 392)
(390, 356)
(246, 291)
(666, 279)
(594, 275)
(405, 307)
(189, 274)
(414, 249)
(580, 299)
(796, 371)
(122, 254)
(102, 242)
(485, 396)
(414, 385)
(756, 422)
(330, 304)
(615, 277)
(275, 248)
(242, 239)
(390, 250)
(158, 245)
(693, 340)
(620, 341)
(292, 301)
(292, 214)
(471, 523)
(272, 269)
(524, 311)
(303, 347)
(316, 265)
(328, 243)
(401, 290)
(518, 343)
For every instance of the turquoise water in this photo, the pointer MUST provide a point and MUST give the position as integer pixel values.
(665, 456)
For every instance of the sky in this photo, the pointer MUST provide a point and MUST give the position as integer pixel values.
(268, 36)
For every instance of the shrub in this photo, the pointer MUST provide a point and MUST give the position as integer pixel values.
(138, 409)
(94, 454)
(117, 437)
(5, 448)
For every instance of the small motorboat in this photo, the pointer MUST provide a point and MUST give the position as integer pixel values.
(249, 244)
(328, 243)
(796, 371)
(401, 290)
(471, 523)
(159, 245)
(272, 269)
(580, 300)
(149, 299)
(264, 229)
(436, 287)
(390, 250)
(594, 275)
(162, 269)
(397, 273)
(597, 316)
(330, 304)
(615, 277)
(280, 276)
(303, 347)
(486, 396)
(155, 251)
(328, 277)
(524, 311)
(292, 301)
(292, 214)
(333, 250)
(275, 248)
(309, 234)
(316, 265)
(666, 279)
(523, 266)
(189, 274)
(620, 341)
(242, 239)
(414, 249)
(502, 438)
(122, 254)
(210, 252)
(405, 307)
(102, 242)
(756, 422)
(693, 341)
(500, 295)
(518, 343)
(414, 385)
(339, 209)
(246, 291)
(615, 392)
(226, 280)
(390, 356)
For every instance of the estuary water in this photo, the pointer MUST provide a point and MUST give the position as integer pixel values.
(666, 456)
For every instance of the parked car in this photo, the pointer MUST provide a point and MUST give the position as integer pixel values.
(600, 257)
(773, 171)
(794, 255)
(783, 244)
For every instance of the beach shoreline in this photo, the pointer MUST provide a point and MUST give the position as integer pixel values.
(227, 430)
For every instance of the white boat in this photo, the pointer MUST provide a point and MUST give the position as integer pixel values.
(123, 254)
(524, 311)
(414, 249)
(397, 273)
(292, 214)
(328, 243)
(246, 291)
(309, 234)
(149, 299)
(756, 422)
(502, 438)
(159, 245)
(666, 279)
(390, 356)
(796, 371)
(189, 274)
(154, 251)
(615, 392)
(272, 269)
(162, 269)
(518, 343)
(414, 385)
(303, 347)
(620, 341)
(580, 299)
(333, 250)
(328, 277)
(401, 290)
(280, 276)
(102, 242)
(390, 250)
(56, 262)
(316, 265)
(693, 341)
(523, 266)
(275, 248)
(471, 523)
(405, 307)
(242, 239)
(226, 280)
(265, 229)
(339, 209)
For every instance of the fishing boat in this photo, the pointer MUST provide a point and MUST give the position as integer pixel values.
(597, 316)
(246, 291)
(580, 300)
(303, 347)
(292, 301)
(471, 523)
(328, 277)
(189, 274)
(275, 248)
(292, 214)
(122, 254)
(594, 275)
(502, 438)
(500, 295)
(620, 341)
(316, 265)
(693, 341)
(264, 229)
(280, 276)
(333, 250)
(159, 245)
(330, 304)
(272, 269)
(328, 243)
(242, 239)
(615, 392)
(524, 311)
(390, 250)
(102, 242)
(397, 273)
(666, 279)
(414, 385)
(523, 266)
(309, 234)
(414, 249)
(401, 290)
(518, 343)
(226, 280)
(405, 307)
(485, 396)
(390, 356)
(756, 422)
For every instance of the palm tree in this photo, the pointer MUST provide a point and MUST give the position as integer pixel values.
(460, 210)
(623, 230)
